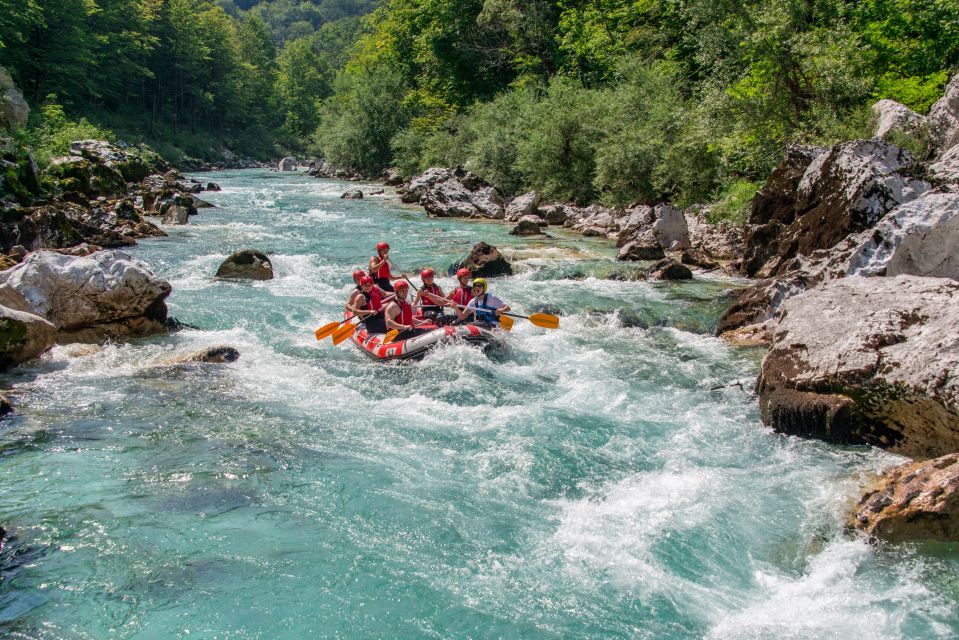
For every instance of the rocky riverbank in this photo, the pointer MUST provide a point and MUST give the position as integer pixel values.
(64, 281)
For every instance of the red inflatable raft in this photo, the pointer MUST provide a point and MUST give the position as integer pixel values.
(416, 347)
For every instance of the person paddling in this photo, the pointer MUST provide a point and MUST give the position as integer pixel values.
(356, 291)
(462, 294)
(399, 313)
(369, 306)
(430, 296)
(486, 308)
(380, 268)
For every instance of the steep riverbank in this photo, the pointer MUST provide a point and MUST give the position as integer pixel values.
(599, 481)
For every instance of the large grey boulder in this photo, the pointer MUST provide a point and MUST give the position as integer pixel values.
(944, 119)
(90, 298)
(352, 194)
(287, 164)
(454, 193)
(919, 238)
(843, 190)
(914, 501)
(23, 336)
(868, 361)
(133, 163)
(645, 233)
(669, 228)
(521, 206)
(14, 110)
(599, 221)
(891, 117)
(643, 246)
(246, 264)
(419, 185)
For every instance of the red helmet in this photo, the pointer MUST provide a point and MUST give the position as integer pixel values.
(365, 280)
(380, 246)
(358, 274)
(464, 272)
(426, 273)
(402, 284)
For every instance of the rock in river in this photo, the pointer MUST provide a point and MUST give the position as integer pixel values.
(23, 336)
(248, 264)
(91, 298)
(868, 361)
(526, 228)
(914, 501)
(669, 269)
(484, 261)
(352, 194)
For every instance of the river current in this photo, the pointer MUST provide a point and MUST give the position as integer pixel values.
(607, 480)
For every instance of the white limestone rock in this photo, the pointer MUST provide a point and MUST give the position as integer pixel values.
(91, 298)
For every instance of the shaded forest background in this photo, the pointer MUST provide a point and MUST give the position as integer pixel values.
(592, 100)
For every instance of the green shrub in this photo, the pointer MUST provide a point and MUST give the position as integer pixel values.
(55, 131)
(734, 203)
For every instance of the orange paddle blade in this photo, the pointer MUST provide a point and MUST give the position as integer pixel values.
(326, 330)
(545, 320)
(506, 323)
(390, 336)
(343, 333)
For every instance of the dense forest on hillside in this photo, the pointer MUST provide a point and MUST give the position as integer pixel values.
(629, 100)
(185, 75)
(613, 100)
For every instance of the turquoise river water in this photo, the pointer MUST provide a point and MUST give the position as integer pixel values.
(599, 481)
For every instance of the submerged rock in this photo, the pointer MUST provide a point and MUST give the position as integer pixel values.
(868, 361)
(352, 194)
(484, 260)
(219, 354)
(914, 501)
(23, 336)
(526, 228)
(247, 264)
(669, 269)
(6, 408)
(105, 295)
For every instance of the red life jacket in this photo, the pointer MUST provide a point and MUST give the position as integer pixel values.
(383, 271)
(406, 312)
(374, 300)
(431, 301)
(462, 295)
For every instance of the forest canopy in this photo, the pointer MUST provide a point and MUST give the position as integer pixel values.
(614, 100)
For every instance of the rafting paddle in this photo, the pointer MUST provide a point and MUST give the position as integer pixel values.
(328, 329)
(390, 336)
(544, 320)
(343, 333)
